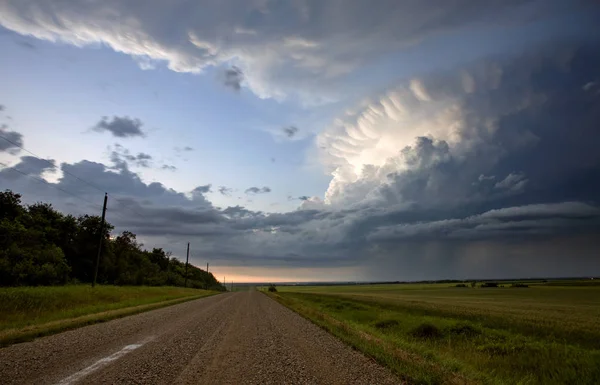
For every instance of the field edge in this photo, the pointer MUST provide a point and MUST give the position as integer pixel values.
(14, 336)
(372, 347)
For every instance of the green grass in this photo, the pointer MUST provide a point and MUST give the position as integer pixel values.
(437, 333)
(29, 312)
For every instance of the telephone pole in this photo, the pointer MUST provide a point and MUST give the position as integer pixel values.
(101, 240)
(187, 259)
(206, 283)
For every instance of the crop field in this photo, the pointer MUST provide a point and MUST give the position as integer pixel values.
(547, 333)
(28, 312)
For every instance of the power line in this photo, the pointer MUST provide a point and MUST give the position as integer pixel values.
(52, 164)
(53, 185)
(47, 183)
(65, 172)
(126, 206)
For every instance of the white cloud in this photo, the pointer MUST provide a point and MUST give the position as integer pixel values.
(439, 135)
(290, 48)
(513, 182)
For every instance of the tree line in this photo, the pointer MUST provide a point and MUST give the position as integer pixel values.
(42, 246)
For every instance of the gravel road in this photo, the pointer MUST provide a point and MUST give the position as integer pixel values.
(232, 338)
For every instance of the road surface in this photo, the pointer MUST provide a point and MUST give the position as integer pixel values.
(232, 338)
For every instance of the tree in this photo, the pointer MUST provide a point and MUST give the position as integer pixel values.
(41, 246)
(10, 205)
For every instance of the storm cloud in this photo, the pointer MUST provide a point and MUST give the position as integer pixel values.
(275, 44)
(488, 170)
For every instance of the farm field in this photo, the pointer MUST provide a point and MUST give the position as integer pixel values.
(28, 312)
(547, 333)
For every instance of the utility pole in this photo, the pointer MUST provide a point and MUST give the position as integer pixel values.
(101, 240)
(206, 277)
(187, 259)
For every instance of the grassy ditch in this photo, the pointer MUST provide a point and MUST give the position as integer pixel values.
(447, 335)
(29, 312)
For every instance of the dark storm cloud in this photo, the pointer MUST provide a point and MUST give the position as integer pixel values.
(515, 191)
(10, 141)
(534, 152)
(120, 126)
(233, 78)
(523, 223)
(290, 131)
(258, 190)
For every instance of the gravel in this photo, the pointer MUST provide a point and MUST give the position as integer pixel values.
(233, 338)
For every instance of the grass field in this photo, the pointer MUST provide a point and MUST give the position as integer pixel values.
(438, 333)
(29, 312)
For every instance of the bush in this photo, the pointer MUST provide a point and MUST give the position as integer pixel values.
(272, 289)
(463, 330)
(426, 331)
(386, 324)
(489, 284)
(460, 285)
(519, 285)
(500, 349)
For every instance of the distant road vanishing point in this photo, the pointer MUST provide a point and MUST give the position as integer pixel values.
(232, 338)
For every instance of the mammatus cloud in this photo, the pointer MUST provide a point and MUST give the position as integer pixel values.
(297, 47)
(290, 131)
(10, 141)
(233, 78)
(472, 137)
(257, 190)
(121, 127)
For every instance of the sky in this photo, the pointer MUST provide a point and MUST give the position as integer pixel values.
(315, 140)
